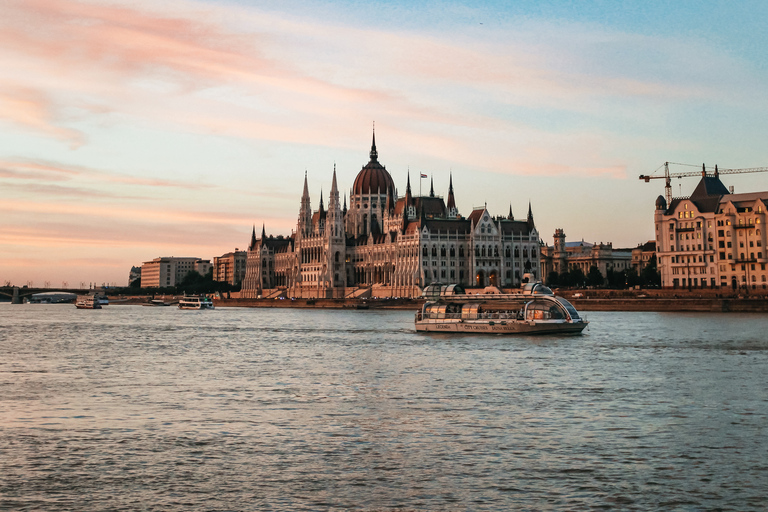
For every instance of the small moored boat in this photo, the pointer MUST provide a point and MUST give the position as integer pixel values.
(156, 302)
(87, 302)
(196, 302)
(535, 310)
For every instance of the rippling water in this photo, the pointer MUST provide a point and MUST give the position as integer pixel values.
(136, 408)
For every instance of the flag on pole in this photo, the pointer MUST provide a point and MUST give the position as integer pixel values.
(423, 175)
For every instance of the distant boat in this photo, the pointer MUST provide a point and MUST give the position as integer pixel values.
(156, 302)
(196, 302)
(88, 302)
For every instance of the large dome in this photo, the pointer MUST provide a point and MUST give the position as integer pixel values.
(373, 178)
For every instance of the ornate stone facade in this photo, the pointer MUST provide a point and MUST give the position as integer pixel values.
(712, 239)
(564, 256)
(387, 245)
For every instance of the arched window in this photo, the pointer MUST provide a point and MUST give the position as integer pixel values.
(477, 251)
(533, 253)
(442, 252)
(496, 251)
(483, 251)
(424, 251)
(517, 252)
(461, 251)
(453, 251)
(434, 251)
(508, 252)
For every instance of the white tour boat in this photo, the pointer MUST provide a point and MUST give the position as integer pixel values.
(196, 302)
(87, 302)
(534, 310)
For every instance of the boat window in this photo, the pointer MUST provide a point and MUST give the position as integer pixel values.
(569, 307)
(437, 311)
(470, 311)
(536, 289)
(544, 310)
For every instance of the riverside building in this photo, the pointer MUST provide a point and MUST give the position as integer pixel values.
(230, 267)
(168, 271)
(565, 256)
(712, 239)
(387, 245)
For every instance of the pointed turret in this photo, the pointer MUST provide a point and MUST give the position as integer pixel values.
(530, 215)
(253, 239)
(408, 196)
(510, 216)
(431, 187)
(334, 219)
(453, 212)
(305, 195)
(263, 232)
(321, 208)
(305, 213)
(344, 210)
(333, 199)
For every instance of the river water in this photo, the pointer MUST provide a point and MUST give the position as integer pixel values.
(137, 408)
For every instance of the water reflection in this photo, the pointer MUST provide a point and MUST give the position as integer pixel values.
(153, 408)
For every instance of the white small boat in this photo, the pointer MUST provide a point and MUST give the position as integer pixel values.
(88, 302)
(156, 302)
(535, 310)
(196, 302)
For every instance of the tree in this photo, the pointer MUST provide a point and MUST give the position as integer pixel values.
(594, 277)
(650, 275)
(553, 279)
(632, 278)
(574, 278)
(617, 279)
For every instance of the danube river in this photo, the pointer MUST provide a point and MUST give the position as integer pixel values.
(137, 408)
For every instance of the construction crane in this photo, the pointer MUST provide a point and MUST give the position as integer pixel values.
(703, 172)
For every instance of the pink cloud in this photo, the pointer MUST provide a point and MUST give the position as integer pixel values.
(34, 110)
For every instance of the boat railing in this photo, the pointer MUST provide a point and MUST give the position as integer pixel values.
(483, 315)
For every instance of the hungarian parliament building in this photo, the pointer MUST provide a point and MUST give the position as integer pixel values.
(386, 245)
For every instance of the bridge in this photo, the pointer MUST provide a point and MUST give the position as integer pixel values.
(17, 294)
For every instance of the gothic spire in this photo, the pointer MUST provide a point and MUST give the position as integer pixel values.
(305, 195)
(431, 187)
(253, 238)
(345, 204)
(321, 200)
(333, 200)
(451, 205)
(263, 232)
(408, 197)
(530, 215)
(510, 216)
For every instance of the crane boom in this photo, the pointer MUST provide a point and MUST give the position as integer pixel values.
(703, 172)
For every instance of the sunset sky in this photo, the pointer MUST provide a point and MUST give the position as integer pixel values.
(137, 129)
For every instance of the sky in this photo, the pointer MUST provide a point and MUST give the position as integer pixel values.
(136, 129)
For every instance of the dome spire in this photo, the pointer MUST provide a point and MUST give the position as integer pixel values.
(374, 153)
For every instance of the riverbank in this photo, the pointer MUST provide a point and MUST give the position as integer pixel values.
(709, 305)
(594, 302)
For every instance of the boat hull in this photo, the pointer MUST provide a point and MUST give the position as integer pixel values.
(88, 306)
(502, 327)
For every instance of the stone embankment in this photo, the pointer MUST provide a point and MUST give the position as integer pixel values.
(743, 305)
(593, 300)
